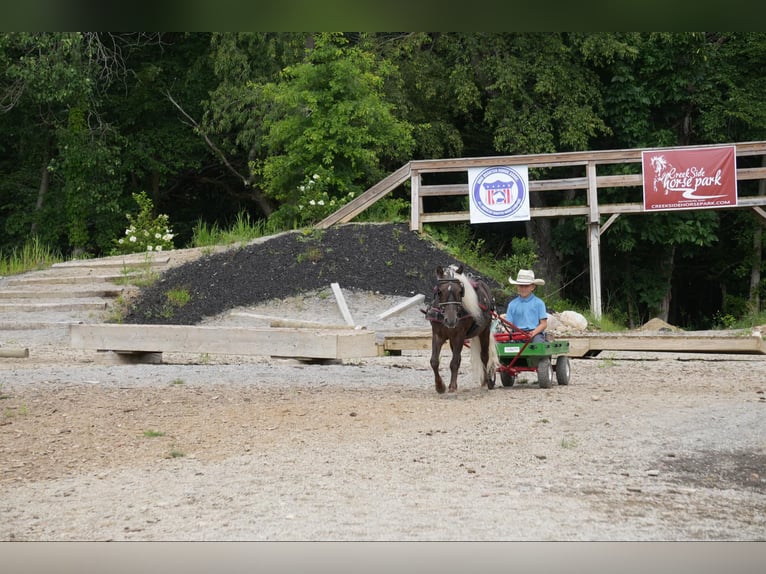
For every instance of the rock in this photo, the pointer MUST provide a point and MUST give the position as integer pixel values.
(553, 323)
(573, 320)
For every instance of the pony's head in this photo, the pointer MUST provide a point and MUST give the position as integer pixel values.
(454, 291)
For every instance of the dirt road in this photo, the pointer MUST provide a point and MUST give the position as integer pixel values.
(637, 447)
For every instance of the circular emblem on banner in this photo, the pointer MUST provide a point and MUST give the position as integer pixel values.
(499, 192)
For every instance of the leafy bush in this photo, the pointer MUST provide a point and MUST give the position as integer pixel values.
(145, 232)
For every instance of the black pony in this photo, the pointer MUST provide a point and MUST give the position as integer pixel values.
(462, 309)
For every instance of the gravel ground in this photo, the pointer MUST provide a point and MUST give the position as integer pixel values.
(640, 446)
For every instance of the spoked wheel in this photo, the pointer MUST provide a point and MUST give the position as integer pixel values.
(507, 379)
(544, 372)
(563, 370)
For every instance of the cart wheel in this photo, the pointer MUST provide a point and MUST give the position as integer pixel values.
(507, 379)
(563, 370)
(544, 372)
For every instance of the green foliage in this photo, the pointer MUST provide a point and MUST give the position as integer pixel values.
(33, 255)
(178, 297)
(723, 320)
(145, 231)
(316, 201)
(327, 117)
(214, 125)
(459, 241)
(241, 231)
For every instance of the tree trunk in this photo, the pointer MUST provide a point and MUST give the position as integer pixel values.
(664, 309)
(42, 191)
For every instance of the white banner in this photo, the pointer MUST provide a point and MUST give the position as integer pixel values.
(499, 193)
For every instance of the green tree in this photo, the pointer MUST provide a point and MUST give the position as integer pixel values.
(327, 117)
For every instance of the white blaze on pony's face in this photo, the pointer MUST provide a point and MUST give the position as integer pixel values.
(449, 294)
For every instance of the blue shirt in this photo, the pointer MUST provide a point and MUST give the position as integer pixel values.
(526, 313)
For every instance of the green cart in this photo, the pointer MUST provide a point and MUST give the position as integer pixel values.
(517, 354)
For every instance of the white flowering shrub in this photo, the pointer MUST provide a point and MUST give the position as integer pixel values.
(315, 202)
(145, 232)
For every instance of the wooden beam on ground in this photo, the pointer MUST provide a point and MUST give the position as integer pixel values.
(14, 353)
(133, 260)
(296, 324)
(408, 341)
(283, 322)
(275, 342)
(342, 304)
(62, 293)
(708, 342)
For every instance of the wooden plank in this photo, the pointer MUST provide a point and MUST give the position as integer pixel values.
(761, 213)
(61, 293)
(285, 322)
(579, 346)
(127, 261)
(14, 353)
(369, 197)
(443, 190)
(408, 341)
(342, 304)
(72, 305)
(296, 324)
(402, 306)
(677, 343)
(563, 158)
(283, 342)
(72, 280)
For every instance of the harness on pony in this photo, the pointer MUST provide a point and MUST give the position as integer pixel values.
(434, 312)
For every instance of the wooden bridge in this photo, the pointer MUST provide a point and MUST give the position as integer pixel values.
(582, 178)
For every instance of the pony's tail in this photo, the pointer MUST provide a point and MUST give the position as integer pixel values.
(481, 372)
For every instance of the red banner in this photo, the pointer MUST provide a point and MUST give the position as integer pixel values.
(689, 178)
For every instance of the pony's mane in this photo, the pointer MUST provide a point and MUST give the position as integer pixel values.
(470, 298)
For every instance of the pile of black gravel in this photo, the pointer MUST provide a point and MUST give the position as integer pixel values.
(385, 258)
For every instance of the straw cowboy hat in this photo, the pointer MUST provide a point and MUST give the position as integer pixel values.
(525, 277)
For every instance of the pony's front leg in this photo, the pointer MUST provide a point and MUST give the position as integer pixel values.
(454, 365)
(436, 349)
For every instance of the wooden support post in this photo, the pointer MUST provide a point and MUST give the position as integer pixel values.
(416, 202)
(594, 241)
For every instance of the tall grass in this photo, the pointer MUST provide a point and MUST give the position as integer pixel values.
(242, 231)
(33, 255)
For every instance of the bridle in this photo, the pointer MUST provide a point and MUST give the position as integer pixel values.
(452, 300)
(436, 310)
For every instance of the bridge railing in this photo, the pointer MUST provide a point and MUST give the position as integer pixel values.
(587, 181)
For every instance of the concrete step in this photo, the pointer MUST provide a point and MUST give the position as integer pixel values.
(132, 262)
(37, 306)
(66, 293)
(60, 279)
